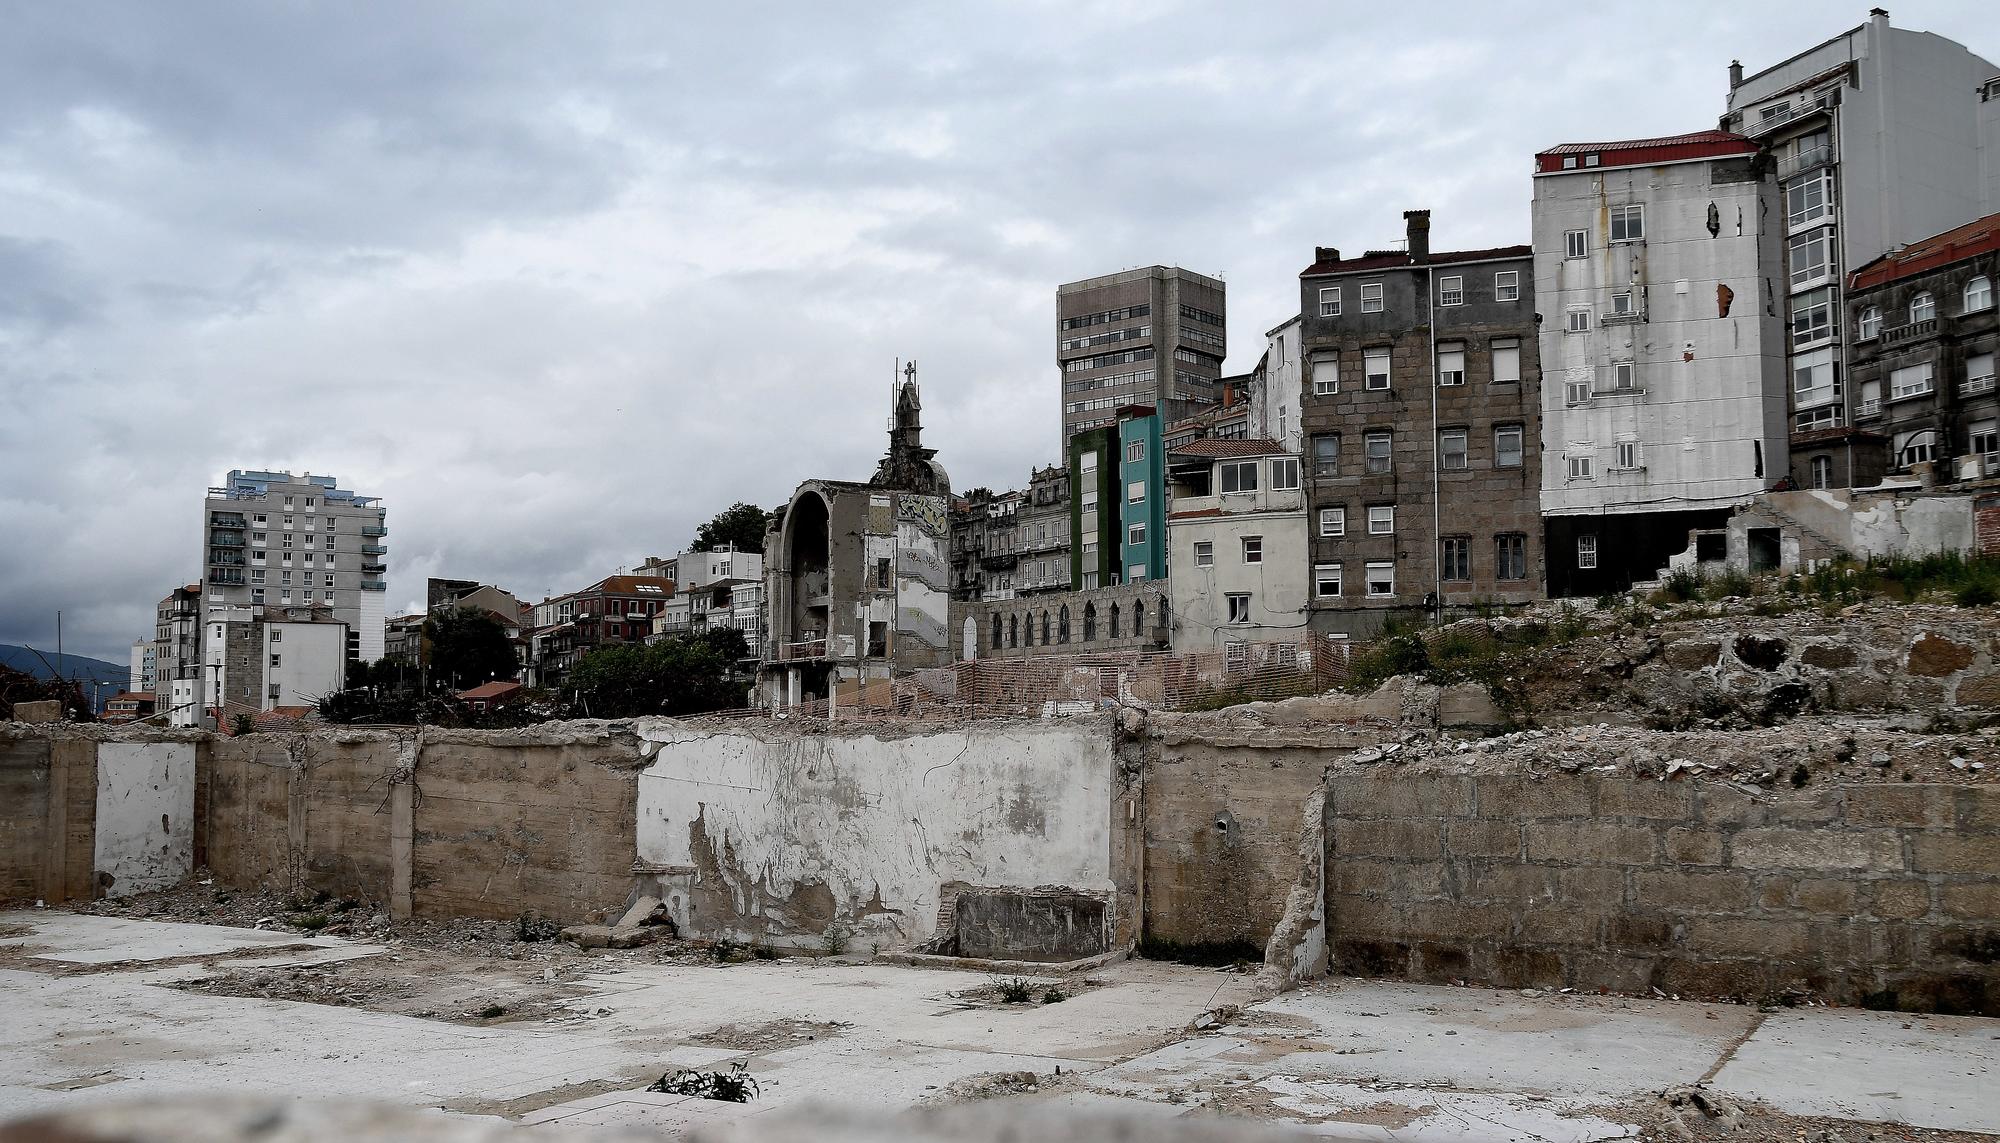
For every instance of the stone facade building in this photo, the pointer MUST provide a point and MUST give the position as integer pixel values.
(1042, 533)
(1923, 336)
(1421, 411)
(983, 553)
(1125, 617)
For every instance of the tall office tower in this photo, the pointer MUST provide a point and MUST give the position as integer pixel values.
(271, 538)
(1882, 137)
(1140, 337)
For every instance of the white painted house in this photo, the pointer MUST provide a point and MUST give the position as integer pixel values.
(1237, 563)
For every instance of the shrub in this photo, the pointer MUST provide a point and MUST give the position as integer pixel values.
(1016, 991)
(1732, 582)
(1682, 585)
(1054, 995)
(1977, 593)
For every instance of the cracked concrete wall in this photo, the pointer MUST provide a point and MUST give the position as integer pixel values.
(144, 817)
(769, 834)
(1886, 895)
(89, 810)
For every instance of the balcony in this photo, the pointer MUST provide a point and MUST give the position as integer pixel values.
(1869, 408)
(224, 540)
(1910, 331)
(227, 520)
(803, 649)
(374, 569)
(1975, 385)
(374, 550)
(230, 577)
(220, 559)
(1763, 124)
(1804, 161)
(374, 585)
(374, 530)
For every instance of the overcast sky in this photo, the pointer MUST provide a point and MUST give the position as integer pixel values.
(560, 281)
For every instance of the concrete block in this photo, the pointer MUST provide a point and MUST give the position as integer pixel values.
(588, 936)
(47, 710)
(1398, 796)
(1513, 798)
(1390, 878)
(1727, 806)
(1361, 957)
(1411, 840)
(1483, 839)
(1693, 847)
(1692, 892)
(1979, 902)
(1516, 967)
(643, 911)
(1468, 704)
(1815, 807)
(1629, 932)
(1748, 937)
(1616, 971)
(1693, 654)
(1625, 798)
(1559, 926)
(1978, 809)
(1816, 849)
(1454, 921)
(1945, 854)
(1518, 884)
(1921, 807)
(1825, 896)
(1774, 894)
(1361, 916)
(1589, 844)
(1598, 889)
(1903, 900)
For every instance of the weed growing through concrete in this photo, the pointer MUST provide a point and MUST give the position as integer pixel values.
(736, 1085)
(1054, 995)
(1016, 991)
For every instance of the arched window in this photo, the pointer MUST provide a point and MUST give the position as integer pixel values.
(1822, 472)
(1114, 622)
(1978, 293)
(1870, 323)
(1165, 619)
(1089, 622)
(1923, 307)
(1139, 618)
(1028, 640)
(996, 631)
(1045, 628)
(1915, 447)
(1013, 631)
(1062, 624)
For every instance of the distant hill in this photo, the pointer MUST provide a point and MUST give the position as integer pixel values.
(114, 676)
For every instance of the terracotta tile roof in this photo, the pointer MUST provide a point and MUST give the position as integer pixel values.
(1397, 259)
(1219, 448)
(631, 585)
(490, 691)
(1977, 237)
(132, 696)
(1641, 152)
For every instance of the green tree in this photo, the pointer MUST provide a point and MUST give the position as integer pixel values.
(468, 647)
(687, 674)
(740, 524)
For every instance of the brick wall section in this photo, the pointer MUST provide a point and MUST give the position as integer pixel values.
(1986, 525)
(1886, 895)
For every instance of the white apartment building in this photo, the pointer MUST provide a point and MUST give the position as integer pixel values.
(274, 539)
(1663, 393)
(1882, 136)
(143, 676)
(717, 589)
(1278, 383)
(261, 658)
(1237, 562)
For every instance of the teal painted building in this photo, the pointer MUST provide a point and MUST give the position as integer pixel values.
(1142, 493)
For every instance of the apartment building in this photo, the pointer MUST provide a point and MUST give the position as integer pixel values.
(1881, 136)
(177, 648)
(1141, 490)
(715, 589)
(272, 538)
(1239, 554)
(144, 667)
(1421, 411)
(1153, 336)
(1922, 332)
(1661, 345)
(1042, 533)
(984, 558)
(262, 657)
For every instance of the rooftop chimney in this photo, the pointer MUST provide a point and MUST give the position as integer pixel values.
(1326, 253)
(1418, 224)
(1735, 74)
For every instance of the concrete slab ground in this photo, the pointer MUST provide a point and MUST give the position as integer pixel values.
(93, 1017)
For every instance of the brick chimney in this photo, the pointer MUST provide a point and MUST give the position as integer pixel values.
(1418, 231)
(1735, 74)
(1326, 253)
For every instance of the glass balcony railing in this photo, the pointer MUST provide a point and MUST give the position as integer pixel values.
(374, 550)
(373, 585)
(374, 530)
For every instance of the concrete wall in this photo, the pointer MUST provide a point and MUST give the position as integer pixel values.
(144, 815)
(776, 836)
(1876, 894)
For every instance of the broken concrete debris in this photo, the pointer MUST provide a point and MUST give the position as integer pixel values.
(736, 1085)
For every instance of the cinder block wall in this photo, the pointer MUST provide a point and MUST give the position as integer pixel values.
(1886, 895)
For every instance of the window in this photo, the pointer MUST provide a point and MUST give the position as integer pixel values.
(1238, 476)
(1285, 474)
(1586, 551)
(285, 578)
(1375, 448)
(1325, 374)
(1628, 223)
(1253, 549)
(1808, 199)
(1810, 256)
(1628, 455)
(1371, 297)
(310, 503)
(288, 503)
(1978, 373)
(1812, 317)
(1812, 378)
(1621, 304)
(1329, 301)
(1822, 472)
(329, 543)
(1452, 451)
(256, 596)
(1088, 462)
(1871, 399)
(1204, 553)
(1135, 535)
(1135, 492)
(1579, 319)
(1580, 466)
(1507, 286)
(1624, 377)
(1135, 450)
(1506, 361)
(256, 575)
(1382, 578)
(1451, 290)
(1451, 365)
(1381, 519)
(1239, 606)
(1923, 307)
(1326, 455)
(1507, 446)
(1910, 381)
(277, 660)
(1135, 573)
(1576, 243)
(1869, 323)
(1915, 447)
(1984, 437)
(1375, 368)
(1978, 293)
(1455, 558)
(260, 519)
(1326, 581)
(277, 635)
(288, 519)
(331, 521)
(1510, 556)
(1824, 417)
(1333, 521)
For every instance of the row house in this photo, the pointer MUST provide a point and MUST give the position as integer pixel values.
(983, 553)
(1420, 405)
